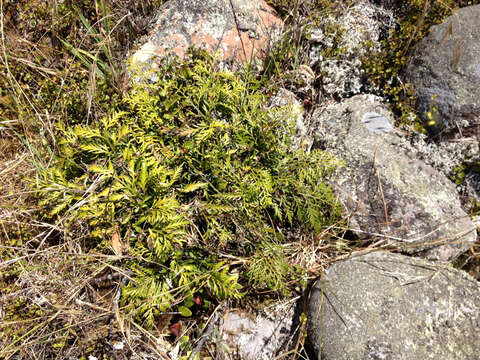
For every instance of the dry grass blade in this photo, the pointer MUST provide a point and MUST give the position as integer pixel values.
(419, 24)
(380, 187)
(457, 54)
(448, 33)
(219, 310)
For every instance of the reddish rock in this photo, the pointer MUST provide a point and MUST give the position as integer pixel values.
(238, 29)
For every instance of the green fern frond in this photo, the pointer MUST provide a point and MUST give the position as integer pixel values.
(191, 167)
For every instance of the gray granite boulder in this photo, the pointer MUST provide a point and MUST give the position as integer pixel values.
(445, 71)
(388, 192)
(390, 306)
(240, 30)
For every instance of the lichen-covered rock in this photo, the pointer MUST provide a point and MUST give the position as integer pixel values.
(385, 188)
(338, 44)
(240, 33)
(446, 155)
(286, 105)
(445, 71)
(390, 306)
(258, 336)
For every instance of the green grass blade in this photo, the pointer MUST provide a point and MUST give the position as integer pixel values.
(79, 54)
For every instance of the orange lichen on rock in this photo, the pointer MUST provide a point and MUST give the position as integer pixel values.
(240, 30)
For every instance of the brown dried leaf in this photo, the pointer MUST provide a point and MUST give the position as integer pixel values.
(198, 300)
(116, 243)
(176, 328)
(5, 100)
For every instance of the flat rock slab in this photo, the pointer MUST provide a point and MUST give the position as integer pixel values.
(445, 71)
(240, 30)
(388, 192)
(390, 306)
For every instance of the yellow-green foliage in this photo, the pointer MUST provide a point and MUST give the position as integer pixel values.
(19, 316)
(192, 172)
(458, 176)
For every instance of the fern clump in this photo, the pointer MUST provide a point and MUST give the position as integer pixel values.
(196, 178)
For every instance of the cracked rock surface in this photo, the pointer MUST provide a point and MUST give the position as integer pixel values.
(445, 72)
(240, 30)
(402, 308)
(387, 191)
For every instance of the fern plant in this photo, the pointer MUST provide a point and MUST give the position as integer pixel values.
(196, 177)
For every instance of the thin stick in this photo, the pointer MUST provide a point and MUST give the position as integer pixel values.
(217, 312)
(238, 29)
(387, 222)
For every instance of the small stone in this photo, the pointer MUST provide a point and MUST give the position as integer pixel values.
(376, 123)
(118, 346)
(260, 335)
